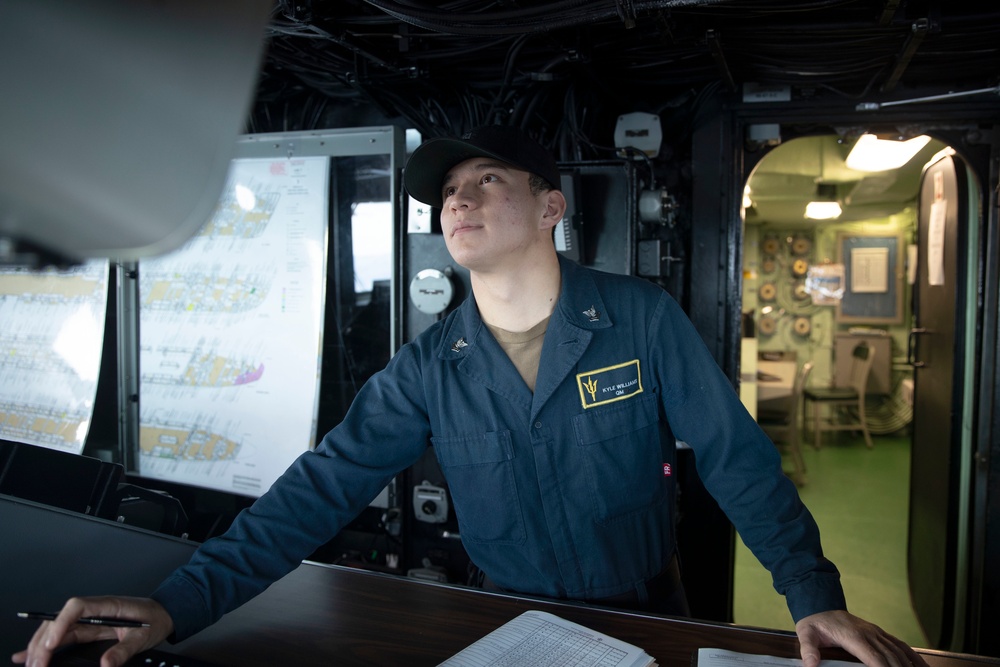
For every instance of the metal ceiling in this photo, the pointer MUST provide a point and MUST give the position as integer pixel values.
(785, 181)
(568, 69)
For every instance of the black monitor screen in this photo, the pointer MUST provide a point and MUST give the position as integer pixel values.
(48, 555)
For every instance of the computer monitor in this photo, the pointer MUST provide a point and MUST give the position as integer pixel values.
(48, 555)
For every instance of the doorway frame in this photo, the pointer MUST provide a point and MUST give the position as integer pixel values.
(721, 164)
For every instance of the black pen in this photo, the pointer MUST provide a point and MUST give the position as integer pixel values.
(110, 622)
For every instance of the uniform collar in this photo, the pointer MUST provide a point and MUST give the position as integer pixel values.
(580, 305)
(580, 302)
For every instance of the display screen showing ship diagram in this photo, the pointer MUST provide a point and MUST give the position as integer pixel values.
(50, 353)
(230, 333)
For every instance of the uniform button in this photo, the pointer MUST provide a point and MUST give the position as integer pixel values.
(538, 424)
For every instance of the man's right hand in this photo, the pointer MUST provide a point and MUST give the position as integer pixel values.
(64, 630)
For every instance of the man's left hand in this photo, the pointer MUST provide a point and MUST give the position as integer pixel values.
(866, 641)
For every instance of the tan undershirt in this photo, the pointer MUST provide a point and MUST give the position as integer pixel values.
(524, 349)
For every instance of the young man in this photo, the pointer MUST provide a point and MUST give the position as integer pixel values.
(553, 398)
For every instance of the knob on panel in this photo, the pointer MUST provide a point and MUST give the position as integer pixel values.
(802, 326)
(770, 246)
(801, 245)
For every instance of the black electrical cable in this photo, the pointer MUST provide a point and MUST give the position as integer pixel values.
(535, 19)
(447, 17)
(354, 49)
(508, 70)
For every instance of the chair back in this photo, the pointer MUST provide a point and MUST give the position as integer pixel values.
(862, 358)
(799, 385)
(783, 426)
(798, 388)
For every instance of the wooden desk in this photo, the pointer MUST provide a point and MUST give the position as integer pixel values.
(319, 614)
(325, 615)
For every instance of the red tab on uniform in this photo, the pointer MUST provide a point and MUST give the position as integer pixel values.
(667, 470)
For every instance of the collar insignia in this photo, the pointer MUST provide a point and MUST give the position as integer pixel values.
(592, 314)
(458, 345)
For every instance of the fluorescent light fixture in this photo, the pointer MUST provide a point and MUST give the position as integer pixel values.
(825, 206)
(873, 154)
(823, 210)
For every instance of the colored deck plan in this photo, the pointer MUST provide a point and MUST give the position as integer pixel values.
(231, 330)
(50, 353)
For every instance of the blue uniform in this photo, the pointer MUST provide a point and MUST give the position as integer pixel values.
(567, 492)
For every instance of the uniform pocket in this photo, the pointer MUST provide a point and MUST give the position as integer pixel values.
(480, 474)
(620, 448)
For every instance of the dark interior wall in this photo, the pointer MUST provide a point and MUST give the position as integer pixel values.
(984, 606)
(714, 306)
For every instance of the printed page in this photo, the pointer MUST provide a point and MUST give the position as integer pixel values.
(717, 657)
(545, 640)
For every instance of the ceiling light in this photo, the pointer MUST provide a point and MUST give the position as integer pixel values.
(873, 154)
(823, 210)
(825, 205)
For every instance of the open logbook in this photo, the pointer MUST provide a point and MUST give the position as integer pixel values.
(717, 657)
(540, 638)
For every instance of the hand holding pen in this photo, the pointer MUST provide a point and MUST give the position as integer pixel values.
(138, 624)
(86, 620)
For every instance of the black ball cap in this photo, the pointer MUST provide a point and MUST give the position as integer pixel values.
(424, 173)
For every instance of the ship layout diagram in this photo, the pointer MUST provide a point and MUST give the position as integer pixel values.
(50, 353)
(230, 333)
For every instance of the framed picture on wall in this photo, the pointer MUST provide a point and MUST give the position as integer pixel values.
(873, 278)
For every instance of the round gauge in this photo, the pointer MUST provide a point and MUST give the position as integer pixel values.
(800, 267)
(771, 246)
(800, 293)
(767, 325)
(431, 291)
(801, 326)
(768, 265)
(767, 292)
(801, 245)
